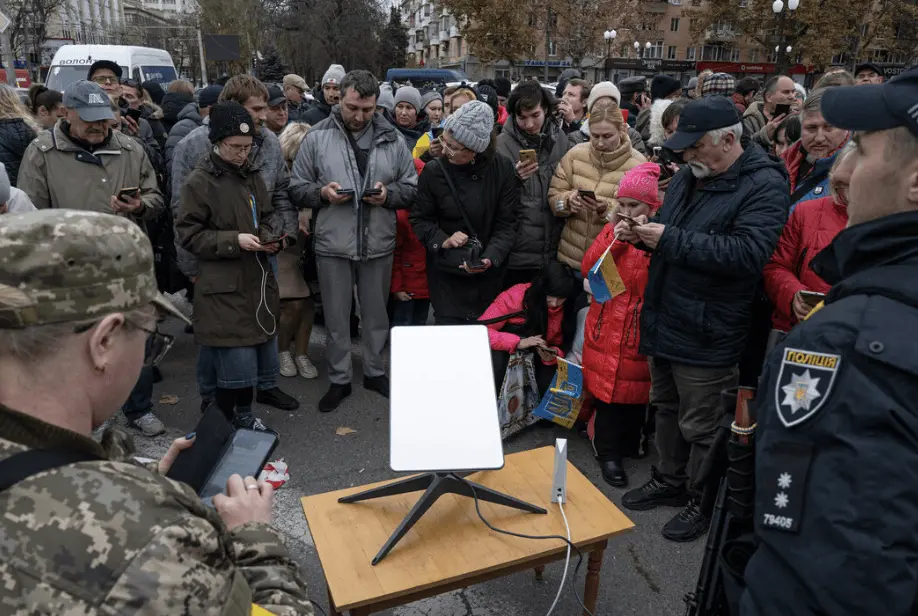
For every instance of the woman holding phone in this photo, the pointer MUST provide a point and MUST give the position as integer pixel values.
(465, 216)
(227, 222)
(584, 186)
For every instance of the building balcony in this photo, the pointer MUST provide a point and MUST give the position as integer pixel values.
(656, 6)
(454, 32)
(444, 35)
(720, 34)
(434, 38)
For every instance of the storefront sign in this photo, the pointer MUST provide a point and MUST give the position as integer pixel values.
(555, 63)
(649, 64)
(757, 68)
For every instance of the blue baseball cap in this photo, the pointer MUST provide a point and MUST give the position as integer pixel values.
(89, 100)
(700, 117)
(875, 107)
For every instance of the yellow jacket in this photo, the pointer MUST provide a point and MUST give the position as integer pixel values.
(421, 146)
(583, 168)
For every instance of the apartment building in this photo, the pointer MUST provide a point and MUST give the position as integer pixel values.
(433, 38)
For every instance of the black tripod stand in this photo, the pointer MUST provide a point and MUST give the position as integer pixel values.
(435, 486)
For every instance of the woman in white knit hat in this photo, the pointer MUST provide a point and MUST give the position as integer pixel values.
(465, 216)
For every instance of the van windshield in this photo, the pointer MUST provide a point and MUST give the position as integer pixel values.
(158, 74)
(59, 77)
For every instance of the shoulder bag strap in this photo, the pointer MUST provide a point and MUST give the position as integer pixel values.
(808, 184)
(503, 317)
(24, 464)
(455, 193)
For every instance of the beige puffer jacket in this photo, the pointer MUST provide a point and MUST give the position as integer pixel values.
(583, 168)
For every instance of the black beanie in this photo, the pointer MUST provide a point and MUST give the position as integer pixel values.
(229, 119)
(488, 95)
(664, 85)
(503, 86)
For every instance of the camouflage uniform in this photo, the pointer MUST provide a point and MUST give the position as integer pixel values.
(111, 537)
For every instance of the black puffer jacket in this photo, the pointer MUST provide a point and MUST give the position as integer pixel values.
(707, 266)
(173, 103)
(319, 110)
(489, 192)
(15, 137)
(189, 119)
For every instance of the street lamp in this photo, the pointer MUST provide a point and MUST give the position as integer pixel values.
(789, 49)
(609, 35)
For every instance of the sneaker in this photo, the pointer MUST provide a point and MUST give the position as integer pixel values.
(250, 422)
(287, 367)
(688, 525)
(276, 398)
(332, 399)
(655, 493)
(149, 424)
(305, 367)
(379, 384)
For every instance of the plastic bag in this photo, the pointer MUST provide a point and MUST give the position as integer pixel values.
(518, 395)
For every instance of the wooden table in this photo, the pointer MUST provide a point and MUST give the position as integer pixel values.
(450, 547)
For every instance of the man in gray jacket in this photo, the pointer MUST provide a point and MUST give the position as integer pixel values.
(265, 155)
(355, 170)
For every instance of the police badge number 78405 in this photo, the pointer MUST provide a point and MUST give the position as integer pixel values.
(804, 384)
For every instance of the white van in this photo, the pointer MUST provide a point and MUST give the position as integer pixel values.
(71, 63)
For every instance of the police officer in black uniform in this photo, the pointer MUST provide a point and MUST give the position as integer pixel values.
(837, 438)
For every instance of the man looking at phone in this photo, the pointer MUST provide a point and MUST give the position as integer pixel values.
(717, 228)
(761, 119)
(355, 170)
(528, 141)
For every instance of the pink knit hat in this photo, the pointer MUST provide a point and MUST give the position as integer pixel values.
(640, 183)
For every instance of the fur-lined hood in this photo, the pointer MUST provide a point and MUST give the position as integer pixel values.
(656, 121)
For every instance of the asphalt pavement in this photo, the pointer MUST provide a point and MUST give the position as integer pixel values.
(642, 574)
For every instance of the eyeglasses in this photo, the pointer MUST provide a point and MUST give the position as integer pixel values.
(160, 343)
(104, 80)
(237, 149)
(451, 152)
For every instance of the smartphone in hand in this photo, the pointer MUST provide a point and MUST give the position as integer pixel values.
(528, 157)
(128, 193)
(781, 110)
(587, 193)
(350, 192)
(372, 192)
(276, 240)
(629, 219)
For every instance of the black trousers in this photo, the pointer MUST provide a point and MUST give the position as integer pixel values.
(617, 430)
(544, 374)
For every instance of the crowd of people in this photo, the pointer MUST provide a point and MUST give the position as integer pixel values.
(374, 204)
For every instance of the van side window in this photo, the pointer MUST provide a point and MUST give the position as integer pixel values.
(135, 73)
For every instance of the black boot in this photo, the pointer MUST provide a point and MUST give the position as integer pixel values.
(614, 473)
(379, 384)
(336, 393)
(688, 525)
(655, 493)
(276, 398)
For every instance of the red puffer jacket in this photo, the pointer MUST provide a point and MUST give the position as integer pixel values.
(509, 302)
(613, 370)
(811, 227)
(409, 259)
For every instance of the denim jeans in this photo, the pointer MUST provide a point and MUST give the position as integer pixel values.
(140, 402)
(238, 367)
(412, 312)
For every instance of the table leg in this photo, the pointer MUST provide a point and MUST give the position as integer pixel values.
(332, 610)
(539, 571)
(591, 589)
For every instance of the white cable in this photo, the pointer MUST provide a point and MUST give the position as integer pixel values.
(567, 560)
(263, 300)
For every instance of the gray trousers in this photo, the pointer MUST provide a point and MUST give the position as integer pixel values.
(688, 410)
(337, 277)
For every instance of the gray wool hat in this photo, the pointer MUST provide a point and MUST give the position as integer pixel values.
(385, 99)
(430, 97)
(472, 125)
(334, 75)
(410, 95)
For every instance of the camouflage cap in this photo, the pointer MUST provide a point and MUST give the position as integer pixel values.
(61, 266)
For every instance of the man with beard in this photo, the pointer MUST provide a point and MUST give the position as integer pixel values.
(82, 164)
(717, 228)
(355, 170)
(531, 127)
(327, 97)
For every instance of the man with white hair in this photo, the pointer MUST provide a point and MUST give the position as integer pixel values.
(719, 224)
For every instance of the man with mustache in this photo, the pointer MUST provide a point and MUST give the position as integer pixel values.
(82, 164)
(709, 243)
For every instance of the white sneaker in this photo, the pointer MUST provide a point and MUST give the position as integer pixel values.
(287, 367)
(149, 424)
(307, 370)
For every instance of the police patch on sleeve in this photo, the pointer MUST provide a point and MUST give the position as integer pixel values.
(804, 383)
(781, 486)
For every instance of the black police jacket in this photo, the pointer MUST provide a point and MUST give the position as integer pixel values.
(706, 268)
(837, 439)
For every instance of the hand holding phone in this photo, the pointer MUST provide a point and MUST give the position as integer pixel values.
(245, 454)
(276, 240)
(781, 110)
(628, 219)
(528, 157)
(128, 193)
(372, 192)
